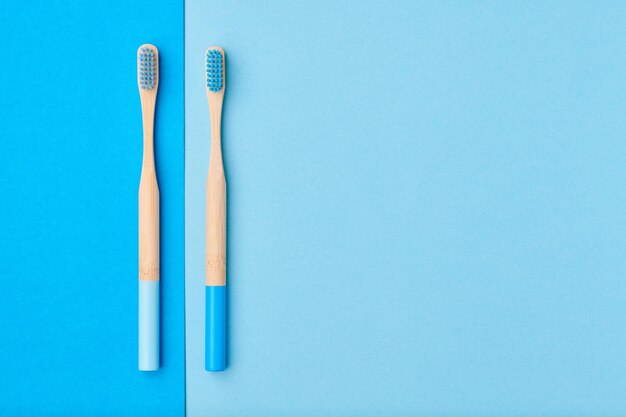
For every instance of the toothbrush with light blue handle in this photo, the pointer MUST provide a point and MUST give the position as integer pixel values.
(216, 320)
(149, 331)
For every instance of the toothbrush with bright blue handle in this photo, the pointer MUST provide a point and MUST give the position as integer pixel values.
(216, 317)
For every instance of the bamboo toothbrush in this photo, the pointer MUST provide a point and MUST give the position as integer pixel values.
(215, 332)
(149, 333)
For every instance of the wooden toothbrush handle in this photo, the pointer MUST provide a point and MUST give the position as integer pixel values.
(216, 228)
(149, 227)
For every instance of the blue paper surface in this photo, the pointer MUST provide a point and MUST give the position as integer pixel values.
(70, 162)
(426, 208)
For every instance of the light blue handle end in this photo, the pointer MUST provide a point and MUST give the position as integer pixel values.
(149, 333)
(215, 335)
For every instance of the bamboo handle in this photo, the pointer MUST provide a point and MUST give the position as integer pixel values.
(215, 221)
(148, 202)
(149, 227)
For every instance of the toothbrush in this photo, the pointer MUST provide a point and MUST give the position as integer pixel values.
(149, 333)
(215, 325)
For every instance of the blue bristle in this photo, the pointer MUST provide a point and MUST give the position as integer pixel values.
(147, 69)
(214, 70)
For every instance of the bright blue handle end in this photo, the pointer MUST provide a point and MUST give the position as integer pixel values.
(215, 336)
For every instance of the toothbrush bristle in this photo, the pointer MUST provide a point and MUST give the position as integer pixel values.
(214, 70)
(147, 68)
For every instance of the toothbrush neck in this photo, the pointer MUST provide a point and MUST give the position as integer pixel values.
(147, 112)
(148, 150)
(215, 158)
(216, 125)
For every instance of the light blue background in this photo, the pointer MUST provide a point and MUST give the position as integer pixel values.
(426, 208)
(70, 162)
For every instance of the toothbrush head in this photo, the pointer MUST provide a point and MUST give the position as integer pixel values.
(148, 67)
(215, 73)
